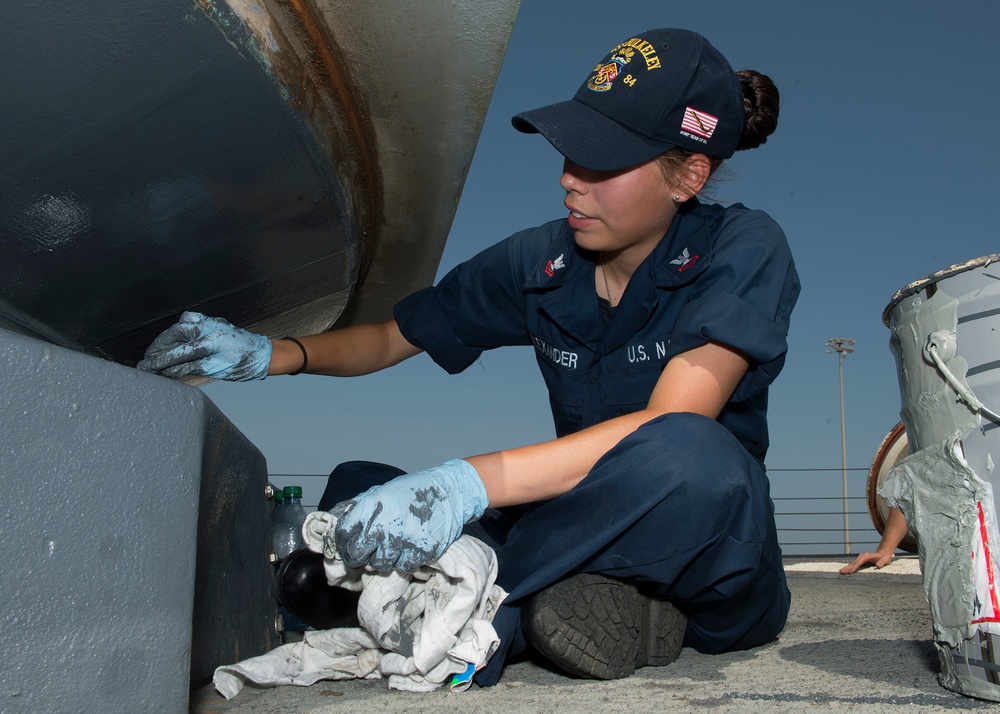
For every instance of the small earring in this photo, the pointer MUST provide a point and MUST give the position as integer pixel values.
(677, 198)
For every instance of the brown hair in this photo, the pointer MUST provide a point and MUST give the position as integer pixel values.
(760, 119)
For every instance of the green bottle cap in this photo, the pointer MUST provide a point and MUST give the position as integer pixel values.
(278, 494)
(293, 491)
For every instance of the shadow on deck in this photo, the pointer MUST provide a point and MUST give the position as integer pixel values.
(858, 643)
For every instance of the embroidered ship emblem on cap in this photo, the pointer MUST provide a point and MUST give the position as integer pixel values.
(605, 74)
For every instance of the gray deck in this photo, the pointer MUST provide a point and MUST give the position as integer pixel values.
(856, 643)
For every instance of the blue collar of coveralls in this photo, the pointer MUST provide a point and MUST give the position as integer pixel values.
(684, 253)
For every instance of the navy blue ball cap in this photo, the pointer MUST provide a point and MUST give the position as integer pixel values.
(661, 89)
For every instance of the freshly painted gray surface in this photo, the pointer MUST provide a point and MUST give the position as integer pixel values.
(125, 495)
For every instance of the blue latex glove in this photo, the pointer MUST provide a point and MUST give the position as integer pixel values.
(208, 347)
(411, 520)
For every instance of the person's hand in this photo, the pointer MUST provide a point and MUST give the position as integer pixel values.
(879, 560)
(205, 346)
(411, 520)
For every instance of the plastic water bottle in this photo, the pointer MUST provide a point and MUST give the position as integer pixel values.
(279, 496)
(276, 511)
(286, 523)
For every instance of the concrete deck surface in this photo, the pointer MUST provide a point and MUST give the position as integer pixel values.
(857, 643)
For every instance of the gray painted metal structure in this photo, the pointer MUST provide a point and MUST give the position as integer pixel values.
(134, 524)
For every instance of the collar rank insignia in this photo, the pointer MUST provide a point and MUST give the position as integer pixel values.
(553, 265)
(684, 261)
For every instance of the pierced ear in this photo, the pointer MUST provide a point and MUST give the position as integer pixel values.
(699, 168)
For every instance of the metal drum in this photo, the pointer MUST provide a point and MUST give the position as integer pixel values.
(946, 341)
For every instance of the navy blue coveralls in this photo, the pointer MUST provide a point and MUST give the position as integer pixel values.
(682, 504)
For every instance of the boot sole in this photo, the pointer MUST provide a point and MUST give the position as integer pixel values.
(595, 627)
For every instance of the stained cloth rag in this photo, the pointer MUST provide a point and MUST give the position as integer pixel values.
(420, 629)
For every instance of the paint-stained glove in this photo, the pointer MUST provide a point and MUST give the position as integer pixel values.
(208, 347)
(411, 520)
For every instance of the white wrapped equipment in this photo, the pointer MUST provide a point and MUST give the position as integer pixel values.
(946, 341)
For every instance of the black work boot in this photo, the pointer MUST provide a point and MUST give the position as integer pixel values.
(302, 589)
(596, 627)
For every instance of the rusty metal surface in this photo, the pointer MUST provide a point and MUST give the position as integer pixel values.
(263, 161)
(300, 53)
(396, 93)
(405, 87)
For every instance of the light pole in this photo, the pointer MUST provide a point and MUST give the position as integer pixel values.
(842, 347)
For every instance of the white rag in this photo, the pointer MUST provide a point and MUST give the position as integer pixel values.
(419, 629)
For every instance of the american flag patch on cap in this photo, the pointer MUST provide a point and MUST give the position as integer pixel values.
(699, 123)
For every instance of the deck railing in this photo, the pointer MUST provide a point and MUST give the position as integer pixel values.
(809, 511)
(808, 504)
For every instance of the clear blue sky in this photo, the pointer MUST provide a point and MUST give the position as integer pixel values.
(883, 170)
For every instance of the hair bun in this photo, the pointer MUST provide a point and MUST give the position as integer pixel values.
(760, 108)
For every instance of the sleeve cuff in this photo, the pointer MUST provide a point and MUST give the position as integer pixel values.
(424, 324)
(732, 321)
